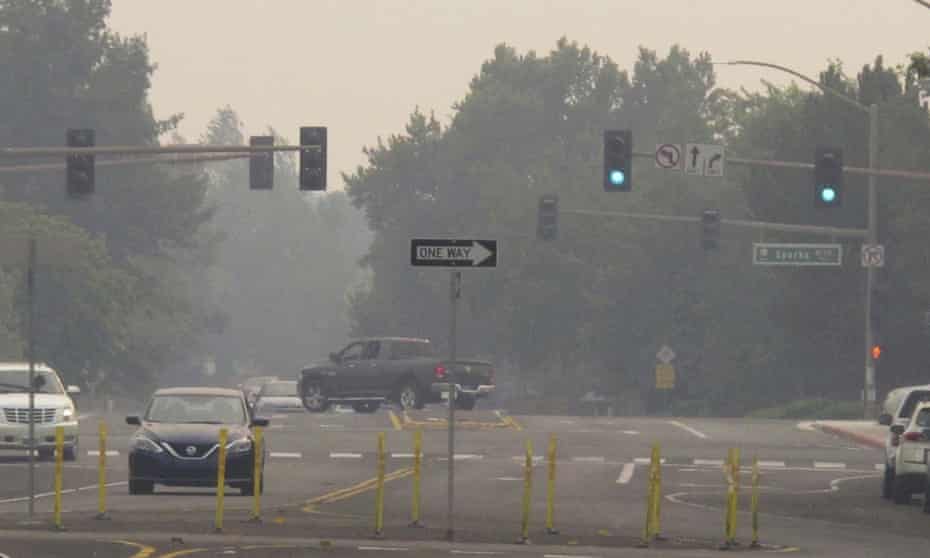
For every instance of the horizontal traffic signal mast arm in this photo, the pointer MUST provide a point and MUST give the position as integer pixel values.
(40, 167)
(10, 152)
(914, 175)
(784, 227)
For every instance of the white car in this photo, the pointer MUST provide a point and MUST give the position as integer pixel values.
(898, 408)
(53, 407)
(911, 454)
(278, 397)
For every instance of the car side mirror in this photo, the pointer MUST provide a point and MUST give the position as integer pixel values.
(897, 429)
(73, 390)
(133, 420)
(260, 422)
(884, 420)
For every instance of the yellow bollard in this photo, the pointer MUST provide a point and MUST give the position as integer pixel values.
(527, 494)
(257, 479)
(755, 503)
(102, 473)
(59, 466)
(417, 469)
(649, 528)
(656, 471)
(733, 471)
(550, 487)
(221, 479)
(379, 498)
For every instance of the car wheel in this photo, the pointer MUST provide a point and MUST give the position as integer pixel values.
(366, 408)
(888, 483)
(409, 396)
(141, 487)
(313, 396)
(927, 498)
(45, 454)
(900, 493)
(248, 489)
(466, 402)
(71, 453)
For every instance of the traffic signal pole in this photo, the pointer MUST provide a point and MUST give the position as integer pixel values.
(869, 394)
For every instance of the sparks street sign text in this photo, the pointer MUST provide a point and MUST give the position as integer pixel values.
(797, 254)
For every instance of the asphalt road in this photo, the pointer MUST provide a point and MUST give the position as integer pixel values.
(819, 494)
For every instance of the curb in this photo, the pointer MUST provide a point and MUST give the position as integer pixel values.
(859, 438)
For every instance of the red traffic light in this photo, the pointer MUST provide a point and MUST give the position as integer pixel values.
(876, 352)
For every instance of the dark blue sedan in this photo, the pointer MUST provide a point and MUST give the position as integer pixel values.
(177, 443)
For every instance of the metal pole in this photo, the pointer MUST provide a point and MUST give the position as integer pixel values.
(455, 290)
(869, 387)
(31, 349)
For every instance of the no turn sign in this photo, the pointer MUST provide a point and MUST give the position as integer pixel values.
(668, 156)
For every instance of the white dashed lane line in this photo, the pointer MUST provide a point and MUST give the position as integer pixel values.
(384, 548)
(828, 465)
(285, 455)
(709, 462)
(588, 460)
(344, 455)
(772, 464)
(96, 453)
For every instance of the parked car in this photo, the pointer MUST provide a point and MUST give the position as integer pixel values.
(278, 397)
(898, 409)
(178, 437)
(406, 371)
(911, 454)
(52, 407)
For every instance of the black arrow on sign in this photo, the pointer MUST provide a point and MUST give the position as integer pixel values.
(714, 159)
(694, 155)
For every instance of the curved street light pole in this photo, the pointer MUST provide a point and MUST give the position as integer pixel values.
(868, 394)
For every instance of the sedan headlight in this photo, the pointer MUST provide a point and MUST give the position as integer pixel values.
(67, 413)
(144, 443)
(241, 445)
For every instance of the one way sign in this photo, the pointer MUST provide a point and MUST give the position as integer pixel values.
(435, 252)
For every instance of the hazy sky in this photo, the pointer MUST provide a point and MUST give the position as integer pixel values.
(361, 66)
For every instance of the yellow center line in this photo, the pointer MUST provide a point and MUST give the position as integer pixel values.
(144, 550)
(356, 489)
(184, 552)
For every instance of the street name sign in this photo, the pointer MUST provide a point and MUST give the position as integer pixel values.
(797, 254)
(444, 252)
(668, 156)
(704, 159)
(873, 255)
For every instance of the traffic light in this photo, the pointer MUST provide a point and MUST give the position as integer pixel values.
(261, 164)
(313, 161)
(876, 352)
(79, 169)
(710, 228)
(828, 177)
(618, 160)
(547, 222)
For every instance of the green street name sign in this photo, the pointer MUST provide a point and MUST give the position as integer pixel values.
(797, 254)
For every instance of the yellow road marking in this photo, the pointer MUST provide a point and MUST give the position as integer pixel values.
(513, 423)
(354, 490)
(184, 552)
(395, 421)
(144, 550)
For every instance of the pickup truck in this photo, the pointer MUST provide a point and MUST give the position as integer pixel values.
(368, 372)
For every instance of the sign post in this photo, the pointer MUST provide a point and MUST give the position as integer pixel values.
(455, 254)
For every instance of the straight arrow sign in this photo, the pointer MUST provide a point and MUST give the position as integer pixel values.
(436, 252)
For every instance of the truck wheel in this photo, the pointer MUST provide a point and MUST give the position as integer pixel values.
(465, 402)
(900, 492)
(366, 408)
(141, 487)
(409, 396)
(888, 483)
(70, 453)
(313, 397)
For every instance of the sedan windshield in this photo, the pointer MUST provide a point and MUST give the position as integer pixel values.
(17, 381)
(280, 389)
(196, 409)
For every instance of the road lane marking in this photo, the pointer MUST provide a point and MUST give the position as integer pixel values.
(402, 456)
(285, 454)
(508, 479)
(711, 462)
(631, 432)
(144, 550)
(344, 455)
(828, 465)
(879, 466)
(185, 552)
(806, 426)
(354, 490)
(464, 457)
(474, 552)
(385, 548)
(567, 556)
(689, 429)
(772, 464)
(646, 460)
(626, 474)
(332, 426)
(96, 453)
(395, 421)
(67, 491)
(591, 459)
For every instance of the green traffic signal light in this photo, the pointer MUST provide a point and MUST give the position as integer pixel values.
(618, 160)
(828, 177)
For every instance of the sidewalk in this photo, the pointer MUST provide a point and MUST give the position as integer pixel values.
(863, 432)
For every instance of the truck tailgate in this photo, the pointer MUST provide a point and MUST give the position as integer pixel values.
(470, 373)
